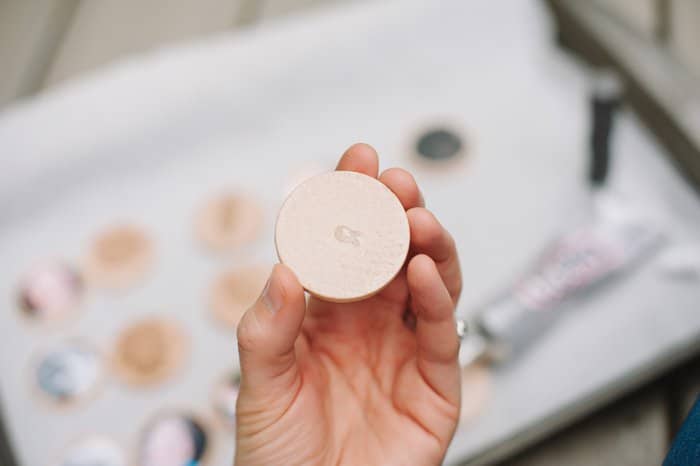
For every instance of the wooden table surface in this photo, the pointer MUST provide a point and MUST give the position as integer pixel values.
(44, 42)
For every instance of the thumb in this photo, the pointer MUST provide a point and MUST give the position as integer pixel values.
(267, 333)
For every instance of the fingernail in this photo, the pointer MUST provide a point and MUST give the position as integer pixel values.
(272, 297)
(421, 199)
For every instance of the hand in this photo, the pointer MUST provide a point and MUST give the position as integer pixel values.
(368, 383)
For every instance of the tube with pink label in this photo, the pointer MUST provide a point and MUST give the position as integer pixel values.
(571, 268)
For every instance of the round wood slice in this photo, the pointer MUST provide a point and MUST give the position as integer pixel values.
(344, 234)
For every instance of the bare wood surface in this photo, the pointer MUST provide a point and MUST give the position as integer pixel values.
(272, 8)
(632, 432)
(106, 30)
(30, 32)
(684, 37)
(639, 15)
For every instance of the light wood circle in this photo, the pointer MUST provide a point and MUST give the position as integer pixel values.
(149, 351)
(119, 256)
(234, 291)
(344, 234)
(228, 222)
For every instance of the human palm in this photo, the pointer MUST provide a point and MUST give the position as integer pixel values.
(374, 382)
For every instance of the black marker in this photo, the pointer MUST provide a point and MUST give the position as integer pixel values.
(604, 101)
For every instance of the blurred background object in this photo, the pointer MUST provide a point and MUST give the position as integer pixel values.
(44, 42)
(684, 33)
(652, 45)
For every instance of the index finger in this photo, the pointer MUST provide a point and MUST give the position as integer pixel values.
(360, 158)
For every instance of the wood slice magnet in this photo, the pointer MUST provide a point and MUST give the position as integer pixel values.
(344, 234)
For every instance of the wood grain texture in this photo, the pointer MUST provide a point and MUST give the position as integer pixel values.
(344, 234)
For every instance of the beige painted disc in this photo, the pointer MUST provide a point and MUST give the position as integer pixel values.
(344, 234)
(119, 256)
(234, 291)
(149, 351)
(228, 222)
